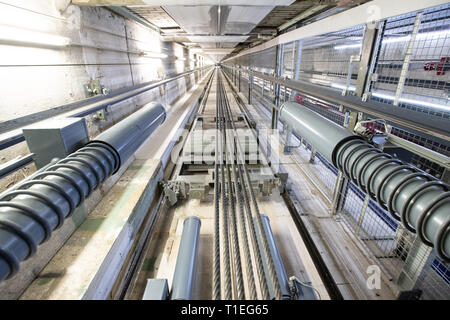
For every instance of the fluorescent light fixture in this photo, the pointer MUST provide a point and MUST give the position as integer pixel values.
(181, 59)
(347, 46)
(154, 55)
(420, 36)
(340, 86)
(12, 35)
(412, 101)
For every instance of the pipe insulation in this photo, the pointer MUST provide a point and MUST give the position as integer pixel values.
(417, 199)
(183, 278)
(30, 213)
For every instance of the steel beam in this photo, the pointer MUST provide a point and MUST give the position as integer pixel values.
(278, 67)
(369, 46)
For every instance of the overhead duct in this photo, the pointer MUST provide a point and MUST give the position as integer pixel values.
(30, 213)
(417, 199)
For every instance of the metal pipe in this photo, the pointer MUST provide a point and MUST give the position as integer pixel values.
(29, 214)
(183, 277)
(418, 200)
(279, 267)
(15, 165)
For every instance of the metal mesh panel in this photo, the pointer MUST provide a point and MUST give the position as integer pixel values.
(434, 280)
(325, 59)
(424, 59)
(288, 60)
(422, 163)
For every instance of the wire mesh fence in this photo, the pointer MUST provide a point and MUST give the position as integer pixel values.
(326, 59)
(413, 64)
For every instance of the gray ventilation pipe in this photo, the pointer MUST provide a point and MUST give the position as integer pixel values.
(30, 213)
(183, 278)
(418, 200)
(279, 267)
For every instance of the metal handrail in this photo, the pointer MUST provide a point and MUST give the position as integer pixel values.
(401, 117)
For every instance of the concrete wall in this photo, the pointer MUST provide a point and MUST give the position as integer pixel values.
(104, 45)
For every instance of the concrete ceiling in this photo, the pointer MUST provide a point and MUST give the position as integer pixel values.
(230, 25)
(218, 26)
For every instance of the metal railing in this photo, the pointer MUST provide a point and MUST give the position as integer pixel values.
(11, 132)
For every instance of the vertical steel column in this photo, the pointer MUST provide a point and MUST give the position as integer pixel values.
(239, 79)
(183, 277)
(368, 53)
(287, 146)
(401, 80)
(362, 213)
(250, 85)
(278, 66)
(340, 193)
(342, 184)
(312, 157)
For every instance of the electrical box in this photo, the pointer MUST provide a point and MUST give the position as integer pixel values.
(55, 138)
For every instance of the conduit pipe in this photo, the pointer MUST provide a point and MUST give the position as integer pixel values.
(183, 278)
(418, 200)
(30, 213)
(279, 267)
